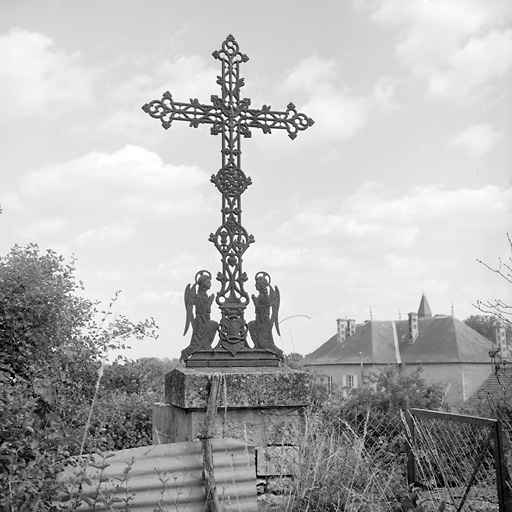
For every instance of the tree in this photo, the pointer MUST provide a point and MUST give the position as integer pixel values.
(39, 311)
(146, 374)
(43, 320)
(52, 344)
(486, 325)
(498, 307)
(388, 390)
(293, 360)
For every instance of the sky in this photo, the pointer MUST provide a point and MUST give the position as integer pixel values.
(401, 185)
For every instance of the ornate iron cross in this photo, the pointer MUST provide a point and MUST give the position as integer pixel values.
(232, 118)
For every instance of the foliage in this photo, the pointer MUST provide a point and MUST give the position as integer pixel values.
(146, 374)
(30, 457)
(388, 390)
(351, 450)
(293, 360)
(126, 418)
(486, 325)
(39, 311)
(52, 344)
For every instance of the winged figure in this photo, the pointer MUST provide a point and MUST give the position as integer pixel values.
(203, 328)
(267, 315)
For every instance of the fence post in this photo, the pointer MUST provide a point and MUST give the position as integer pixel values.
(212, 498)
(501, 469)
(411, 469)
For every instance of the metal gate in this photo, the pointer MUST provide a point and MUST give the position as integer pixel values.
(456, 462)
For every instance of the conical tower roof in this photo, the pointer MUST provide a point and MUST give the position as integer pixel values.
(424, 310)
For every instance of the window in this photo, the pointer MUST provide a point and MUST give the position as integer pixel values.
(329, 384)
(349, 381)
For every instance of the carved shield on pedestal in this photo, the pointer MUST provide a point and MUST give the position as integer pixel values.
(233, 333)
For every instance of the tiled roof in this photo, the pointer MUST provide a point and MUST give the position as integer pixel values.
(496, 389)
(372, 342)
(441, 339)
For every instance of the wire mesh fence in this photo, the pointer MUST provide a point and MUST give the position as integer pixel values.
(458, 461)
(386, 462)
(350, 463)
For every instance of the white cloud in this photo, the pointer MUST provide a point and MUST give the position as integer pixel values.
(112, 275)
(184, 77)
(132, 181)
(384, 94)
(106, 237)
(51, 226)
(337, 117)
(369, 218)
(36, 77)
(154, 297)
(457, 46)
(404, 264)
(472, 67)
(477, 140)
(338, 113)
(312, 75)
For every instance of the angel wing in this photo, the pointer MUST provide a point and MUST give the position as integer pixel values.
(275, 299)
(190, 300)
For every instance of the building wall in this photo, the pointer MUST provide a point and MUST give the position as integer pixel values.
(458, 381)
(474, 376)
(448, 376)
(338, 374)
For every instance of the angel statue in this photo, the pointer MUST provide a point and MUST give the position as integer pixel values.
(261, 328)
(203, 329)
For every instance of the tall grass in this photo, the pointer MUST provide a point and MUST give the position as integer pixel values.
(341, 467)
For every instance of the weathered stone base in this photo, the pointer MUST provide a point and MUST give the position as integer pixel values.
(258, 427)
(259, 387)
(260, 406)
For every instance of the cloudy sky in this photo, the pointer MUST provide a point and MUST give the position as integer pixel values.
(401, 184)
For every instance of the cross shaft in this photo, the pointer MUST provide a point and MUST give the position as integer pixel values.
(231, 118)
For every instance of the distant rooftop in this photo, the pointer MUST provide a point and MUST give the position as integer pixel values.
(439, 339)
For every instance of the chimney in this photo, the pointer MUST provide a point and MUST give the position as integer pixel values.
(413, 327)
(351, 327)
(501, 340)
(342, 330)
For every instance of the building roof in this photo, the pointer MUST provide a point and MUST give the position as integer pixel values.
(424, 310)
(441, 339)
(496, 390)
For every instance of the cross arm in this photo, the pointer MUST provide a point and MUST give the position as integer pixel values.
(267, 120)
(168, 110)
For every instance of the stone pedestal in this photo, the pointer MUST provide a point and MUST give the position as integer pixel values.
(260, 406)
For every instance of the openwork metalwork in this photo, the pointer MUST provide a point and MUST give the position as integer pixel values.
(232, 118)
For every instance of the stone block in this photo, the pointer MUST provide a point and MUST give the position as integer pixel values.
(260, 406)
(246, 387)
(260, 427)
(171, 424)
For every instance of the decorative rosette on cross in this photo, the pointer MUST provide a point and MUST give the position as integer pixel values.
(231, 180)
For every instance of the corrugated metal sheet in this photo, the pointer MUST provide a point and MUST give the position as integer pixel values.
(169, 477)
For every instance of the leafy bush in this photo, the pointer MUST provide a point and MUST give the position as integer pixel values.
(30, 457)
(146, 374)
(125, 418)
(52, 343)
